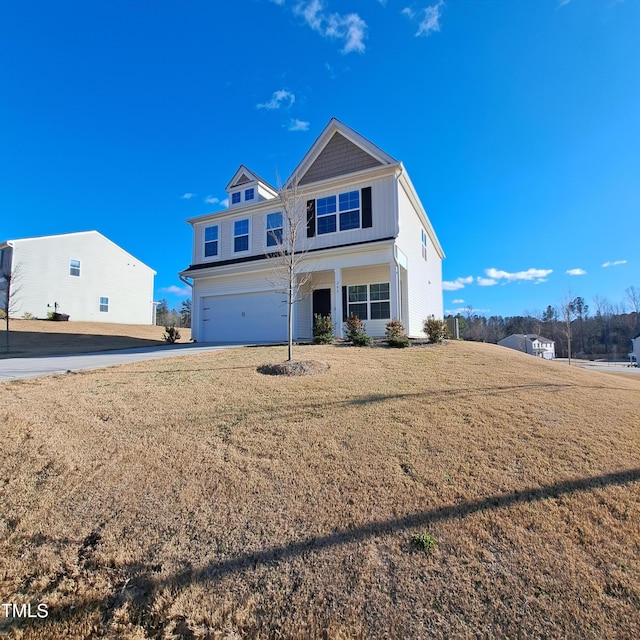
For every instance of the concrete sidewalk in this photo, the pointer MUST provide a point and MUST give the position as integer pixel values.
(16, 368)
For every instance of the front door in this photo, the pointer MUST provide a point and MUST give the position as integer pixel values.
(322, 302)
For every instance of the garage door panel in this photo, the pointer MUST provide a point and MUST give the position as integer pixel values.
(254, 317)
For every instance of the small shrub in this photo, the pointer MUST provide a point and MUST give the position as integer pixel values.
(322, 329)
(172, 334)
(3, 315)
(27, 316)
(423, 541)
(435, 329)
(396, 334)
(356, 333)
(51, 315)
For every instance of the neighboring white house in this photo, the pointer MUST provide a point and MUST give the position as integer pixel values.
(371, 249)
(634, 356)
(532, 344)
(83, 275)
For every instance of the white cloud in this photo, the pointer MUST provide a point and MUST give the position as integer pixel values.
(212, 200)
(177, 291)
(278, 99)
(458, 283)
(350, 28)
(465, 310)
(615, 263)
(576, 272)
(538, 275)
(561, 3)
(298, 125)
(225, 202)
(428, 19)
(457, 301)
(188, 196)
(486, 282)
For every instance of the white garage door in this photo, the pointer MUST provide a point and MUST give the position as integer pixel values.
(252, 317)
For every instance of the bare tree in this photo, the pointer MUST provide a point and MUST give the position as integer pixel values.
(633, 298)
(288, 249)
(567, 313)
(9, 290)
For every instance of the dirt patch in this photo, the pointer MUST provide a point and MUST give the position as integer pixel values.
(294, 368)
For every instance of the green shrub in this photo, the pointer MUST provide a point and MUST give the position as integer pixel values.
(27, 316)
(171, 335)
(423, 541)
(435, 329)
(51, 315)
(396, 334)
(356, 333)
(322, 329)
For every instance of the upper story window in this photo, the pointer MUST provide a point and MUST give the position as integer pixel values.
(249, 194)
(211, 241)
(326, 214)
(104, 305)
(424, 243)
(241, 235)
(274, 229)
(235, 197)
(349, 207)
(74, 267)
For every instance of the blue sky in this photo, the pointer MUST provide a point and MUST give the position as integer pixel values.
(518, 122)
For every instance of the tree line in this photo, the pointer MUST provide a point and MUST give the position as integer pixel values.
(601, 329)
(166, 317)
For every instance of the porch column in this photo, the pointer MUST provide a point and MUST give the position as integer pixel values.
(337, 318)
(394, 291)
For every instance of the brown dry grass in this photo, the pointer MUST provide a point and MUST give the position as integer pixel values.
(200, 499)
(42, 337)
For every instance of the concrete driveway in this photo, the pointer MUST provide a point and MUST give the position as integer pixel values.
(15, 368)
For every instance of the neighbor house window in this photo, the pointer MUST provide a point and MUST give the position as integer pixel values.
(274, 229)
(326, 214)
(349, 207)
(74, 267)
(424, 244)
(369, 302)
(241, 235)
(211, 241)
(104, 305)
(235, 198)
(248, 194)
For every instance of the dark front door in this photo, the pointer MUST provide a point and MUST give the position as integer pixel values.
(322, 302)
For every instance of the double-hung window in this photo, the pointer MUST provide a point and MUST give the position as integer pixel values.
(104, 304)
(249, 194)
(424, 244)
(369, 302)
(326, 214)
(211, 241)
(349, 208)
(274, 229)
(241, 235)
(235, 197)
(74, 267)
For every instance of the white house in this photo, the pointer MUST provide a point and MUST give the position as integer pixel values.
(369, 248)
(83, 275)
(532, 344)
(634, 356)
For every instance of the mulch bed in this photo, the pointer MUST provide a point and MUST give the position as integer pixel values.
(294, 368)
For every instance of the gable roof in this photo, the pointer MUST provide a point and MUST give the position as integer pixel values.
(243, 176)
(337, 151)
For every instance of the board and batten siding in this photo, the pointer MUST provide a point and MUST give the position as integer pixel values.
(106, 270)
(424, 278)
(384, 223)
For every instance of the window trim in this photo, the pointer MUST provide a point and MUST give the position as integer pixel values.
(250, 191)
(271, 236)
(368, 301)
(206, 242)
(236, 236)
(338, 213)
(424, 243)
(73, 268)
(102, 304)
(237, 194)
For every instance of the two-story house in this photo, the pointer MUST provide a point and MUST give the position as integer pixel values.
(532, 344)
(369, 248)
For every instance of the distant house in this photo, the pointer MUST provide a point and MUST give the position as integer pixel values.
(370, 249)
(634, 356)
(530, 343)
(83, 275)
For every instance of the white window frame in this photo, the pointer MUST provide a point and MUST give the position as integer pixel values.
(272, 236)
(206, 242)
(73, 267)
(104, 304)
(339, 211)
(369, 301)
(242, 235)
(424, 244)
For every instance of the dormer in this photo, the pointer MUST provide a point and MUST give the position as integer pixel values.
(247, 188)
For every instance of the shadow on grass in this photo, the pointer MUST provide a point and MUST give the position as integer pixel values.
(139, 586)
